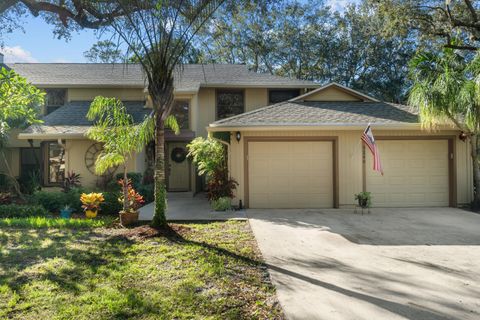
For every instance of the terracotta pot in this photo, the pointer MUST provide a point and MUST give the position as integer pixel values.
(90, 214)
(127, 218)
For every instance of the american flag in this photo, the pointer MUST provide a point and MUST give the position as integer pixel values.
(369, 141)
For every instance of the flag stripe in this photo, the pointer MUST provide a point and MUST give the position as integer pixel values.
(369, 140)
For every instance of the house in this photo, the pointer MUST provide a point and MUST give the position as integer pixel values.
(307, 153)
(203, 94)
(293, 144)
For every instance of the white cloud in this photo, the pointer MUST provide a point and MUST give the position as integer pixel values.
(340, 5)
(17, 54)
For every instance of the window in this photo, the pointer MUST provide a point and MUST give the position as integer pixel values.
(55, 163)
(276, 95)
(180, 111)
(54, 99)
(29, 162)
(229, 103)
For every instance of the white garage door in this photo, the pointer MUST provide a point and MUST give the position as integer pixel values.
(290, 174)
(416, 174)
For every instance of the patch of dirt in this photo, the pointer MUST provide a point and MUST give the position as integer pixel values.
(147, 232)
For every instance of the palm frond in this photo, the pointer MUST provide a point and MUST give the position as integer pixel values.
(171, 123)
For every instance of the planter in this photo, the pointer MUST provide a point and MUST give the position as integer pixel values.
(127, 218)
(363, 203)
(65, 214)
(90, 214)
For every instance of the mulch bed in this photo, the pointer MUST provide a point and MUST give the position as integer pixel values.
(144, 232)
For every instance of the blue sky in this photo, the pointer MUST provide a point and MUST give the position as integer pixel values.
(38, 44)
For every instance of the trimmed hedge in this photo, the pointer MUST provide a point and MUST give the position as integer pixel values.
(22, 211)
(55, 201)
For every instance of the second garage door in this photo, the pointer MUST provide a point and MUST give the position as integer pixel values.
(290, 174)
(416, 174)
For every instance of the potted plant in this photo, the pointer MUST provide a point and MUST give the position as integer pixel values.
(66, 212)
(364, 199)
(131, 204)
(91, 203)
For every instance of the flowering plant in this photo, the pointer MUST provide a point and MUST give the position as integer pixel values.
(135, 200)
(91, 201)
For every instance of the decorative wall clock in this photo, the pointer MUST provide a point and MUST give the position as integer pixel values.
(91, 156)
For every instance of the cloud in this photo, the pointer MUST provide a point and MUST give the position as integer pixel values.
(340, 5)
(17, 54)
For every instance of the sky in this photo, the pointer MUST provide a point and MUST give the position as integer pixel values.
(38, 44)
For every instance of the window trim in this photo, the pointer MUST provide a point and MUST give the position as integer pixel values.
(282, 89)
(234, 90)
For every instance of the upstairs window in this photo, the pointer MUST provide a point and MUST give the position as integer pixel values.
(280, 95)
(229, 103)
(54, 99)
(181, 112)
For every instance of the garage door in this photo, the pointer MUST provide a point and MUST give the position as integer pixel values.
(415, 174)
(290, 174)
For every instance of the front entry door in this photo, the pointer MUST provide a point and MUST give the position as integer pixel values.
(178, 167)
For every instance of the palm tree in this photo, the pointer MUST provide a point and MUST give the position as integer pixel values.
(159, 40)
(119, 134)
(446, 90)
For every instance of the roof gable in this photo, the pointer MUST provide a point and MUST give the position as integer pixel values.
(334, 92)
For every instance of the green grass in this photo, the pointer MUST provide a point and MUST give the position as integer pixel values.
(207, 271)
(42, 222)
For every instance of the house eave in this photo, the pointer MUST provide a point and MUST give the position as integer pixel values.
(320, 127)
(50, 136)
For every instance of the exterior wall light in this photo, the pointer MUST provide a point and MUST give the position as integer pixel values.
(238, 136)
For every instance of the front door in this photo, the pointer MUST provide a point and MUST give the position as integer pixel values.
(178, 167)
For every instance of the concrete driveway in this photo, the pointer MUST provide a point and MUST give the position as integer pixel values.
(390, 264)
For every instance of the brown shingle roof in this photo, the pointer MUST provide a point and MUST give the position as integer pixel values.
(190, 78)
(298, 113)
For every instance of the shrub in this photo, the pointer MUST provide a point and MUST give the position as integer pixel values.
(72, 180)
(134, 199)
(220, 186)
(22, 211)
(52, 201)
(211, 159)
(134, 177)
(147, 191)
(111, 206)
(31, 182)
(221, 204)
(72, 199)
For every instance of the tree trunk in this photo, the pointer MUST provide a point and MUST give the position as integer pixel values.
(159, 218)
(125, 189)
(476, 171)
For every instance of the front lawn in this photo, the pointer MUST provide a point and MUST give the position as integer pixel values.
(197, 271)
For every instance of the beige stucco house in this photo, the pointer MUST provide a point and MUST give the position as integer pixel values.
(203, 94)
(293, 143)
(307, 153)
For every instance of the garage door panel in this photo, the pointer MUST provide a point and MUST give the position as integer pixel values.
(292, 175)
(415, 174)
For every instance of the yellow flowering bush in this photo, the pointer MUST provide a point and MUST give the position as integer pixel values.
(91, 201)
